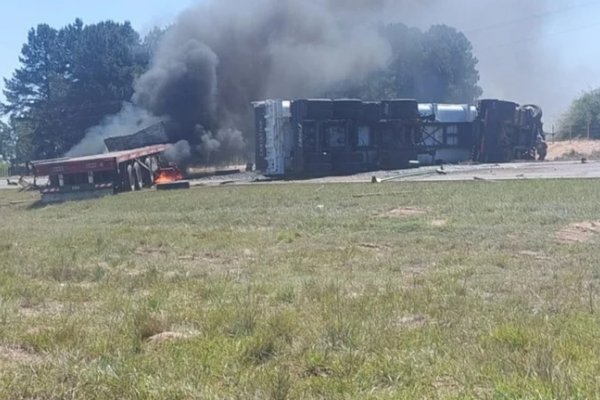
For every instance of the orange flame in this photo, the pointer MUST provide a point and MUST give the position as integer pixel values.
(167, 175)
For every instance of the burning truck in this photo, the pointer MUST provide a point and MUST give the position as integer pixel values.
(325, 137)
(131, 163)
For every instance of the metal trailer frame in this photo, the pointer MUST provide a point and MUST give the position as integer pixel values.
(106, 173)
(446, 142)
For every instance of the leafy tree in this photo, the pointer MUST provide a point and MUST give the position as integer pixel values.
(7, 142)
(106, 58)
(448, 67)
(68, 81)
(583, 116)
(23, 129)
(436, 66)
(37, 86)
(152, 40)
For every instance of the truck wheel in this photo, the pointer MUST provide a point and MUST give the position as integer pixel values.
(131, 178)
(138, 175)
(149, 174)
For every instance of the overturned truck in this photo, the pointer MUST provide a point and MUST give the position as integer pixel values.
(314, 137)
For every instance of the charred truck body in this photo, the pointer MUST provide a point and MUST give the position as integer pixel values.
(448, 133)
(506, 131)
(327, 137)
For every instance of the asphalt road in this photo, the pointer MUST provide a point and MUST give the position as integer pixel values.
(514, 171)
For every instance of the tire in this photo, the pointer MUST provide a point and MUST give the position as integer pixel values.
(139, 181)
(131, 178)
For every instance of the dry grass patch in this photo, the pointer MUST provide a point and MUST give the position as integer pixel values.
(438, 223)
(537, 255)
(18, 355)
(374, 246)
(45, 308)
(412, 321)
(405, 212)
(170, 336)
(579, 232)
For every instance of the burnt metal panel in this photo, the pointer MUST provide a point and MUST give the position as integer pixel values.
(317, 164)
(347, 109)
(345, 136)
(397, 158)
(152, 135)
(496, 119)
(349, 162)
(310, 136)
(260, 113)
(372, 111)
(312, 109)
(404, 109)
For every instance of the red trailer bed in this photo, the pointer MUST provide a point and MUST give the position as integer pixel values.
(97, 162)
(98, 175)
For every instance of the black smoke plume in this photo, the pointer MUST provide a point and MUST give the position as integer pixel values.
(223, 54)
(220, 56)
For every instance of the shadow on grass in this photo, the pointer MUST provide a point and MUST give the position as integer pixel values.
(38, 205)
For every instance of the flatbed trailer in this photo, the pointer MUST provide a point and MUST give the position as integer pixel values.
(98, 175)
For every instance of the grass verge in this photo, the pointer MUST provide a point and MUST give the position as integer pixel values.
(404, 290)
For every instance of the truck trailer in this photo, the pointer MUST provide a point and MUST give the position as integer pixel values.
(75, 178)
(320, 137)
(312, 137)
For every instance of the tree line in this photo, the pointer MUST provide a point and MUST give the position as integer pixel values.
(582, 119)
(69, 79)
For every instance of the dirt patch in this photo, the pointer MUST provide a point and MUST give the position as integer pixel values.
(579, 232)
(535, 254)
(150, 252)
(438, 223)
(18, 355)
(405, 212)
(411, 321)
(170, 337)
(577, 148)
(373, 246)
(206, 257)
(48, 308)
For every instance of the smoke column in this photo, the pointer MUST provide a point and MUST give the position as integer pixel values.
(221, 55)
(131, 119)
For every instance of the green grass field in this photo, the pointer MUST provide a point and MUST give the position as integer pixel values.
(298, 291)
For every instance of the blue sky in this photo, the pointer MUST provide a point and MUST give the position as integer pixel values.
(548, 54)
(18, 16)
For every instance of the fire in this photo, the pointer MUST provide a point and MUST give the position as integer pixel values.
(167, 175)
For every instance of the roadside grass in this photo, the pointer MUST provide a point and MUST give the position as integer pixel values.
(297, 291)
